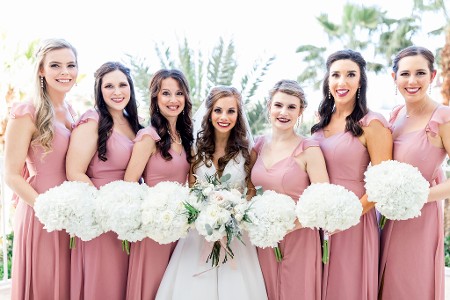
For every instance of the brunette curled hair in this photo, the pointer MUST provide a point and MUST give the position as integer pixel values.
(105, 122)
(237, 141)
(326, 106)
(159, 122)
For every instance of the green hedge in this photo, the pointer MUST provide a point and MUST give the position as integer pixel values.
(9, 241)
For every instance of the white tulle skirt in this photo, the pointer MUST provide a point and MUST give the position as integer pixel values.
(188, 276)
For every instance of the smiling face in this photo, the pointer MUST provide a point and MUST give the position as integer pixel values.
(171, 98)
(284, 110)
(344, 81)
(60, 70)
(116, 90)
(413, 77)
(224, 114)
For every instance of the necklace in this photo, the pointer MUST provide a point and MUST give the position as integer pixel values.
(174, 139)
(416, 112)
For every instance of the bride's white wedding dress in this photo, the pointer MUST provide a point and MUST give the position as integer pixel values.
(239, 278)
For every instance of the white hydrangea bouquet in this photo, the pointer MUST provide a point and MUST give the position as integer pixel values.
(270, 216)
(69, 206)
(164, 217)
(220, 215)
(399, 190)
(119, 209)
(330, 207)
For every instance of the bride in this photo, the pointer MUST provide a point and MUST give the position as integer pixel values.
(223, 147)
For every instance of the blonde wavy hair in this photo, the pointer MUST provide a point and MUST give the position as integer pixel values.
(44, 108)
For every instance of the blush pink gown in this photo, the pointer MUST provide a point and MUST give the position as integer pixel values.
(149, 259)
(298, 276)
(99, 267)
(352, 271)
(412, 251)
(41, 259)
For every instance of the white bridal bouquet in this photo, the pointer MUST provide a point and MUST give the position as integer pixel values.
(270, 216)
(399, 190)
(71, 207)
(220, 214)
(119, 209)
(330, 207)
(164, 217)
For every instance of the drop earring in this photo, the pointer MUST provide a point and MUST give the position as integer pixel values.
(42, 82)
(329, 94)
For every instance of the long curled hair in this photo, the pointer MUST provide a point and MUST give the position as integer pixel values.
(105, 122)
(44, 108)
(237, 141)
(184, 120)
(327, 106)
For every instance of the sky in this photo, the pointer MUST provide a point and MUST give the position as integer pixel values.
(107, 30)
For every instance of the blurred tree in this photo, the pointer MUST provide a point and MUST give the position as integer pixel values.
(368, 30)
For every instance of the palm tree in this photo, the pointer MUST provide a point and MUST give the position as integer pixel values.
(364, 29)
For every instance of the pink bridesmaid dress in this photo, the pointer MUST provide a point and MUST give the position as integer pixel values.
(149, 259)
(298, 275)
(99, 267)
(41, 259)
(412, 251)
(352, 270)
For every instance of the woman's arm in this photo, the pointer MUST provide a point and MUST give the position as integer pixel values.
(19, 133)
(82, 148)
(379, 144)
(142, 151)
(442, 190)
(315, 165)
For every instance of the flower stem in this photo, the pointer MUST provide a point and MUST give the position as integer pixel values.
(326, 251)
(383, 220)
(72, 242)
(278, 254)
(126, 246)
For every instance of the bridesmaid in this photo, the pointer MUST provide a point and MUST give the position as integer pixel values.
(99, 151)
(287, 163)
(412, 251)
(351, 137)
(162, 152)
(37, 138)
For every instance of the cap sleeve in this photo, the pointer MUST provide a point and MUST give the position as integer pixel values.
(440, 116)
(90, 114)
(151, 131)
(305, 144)
(259, 142)
(20, 109)
(370, 116)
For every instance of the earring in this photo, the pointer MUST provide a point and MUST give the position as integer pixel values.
(429, 89)
(329, 94)
(358, 94)
(157, 109)
(42, 82)
(396, 90)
